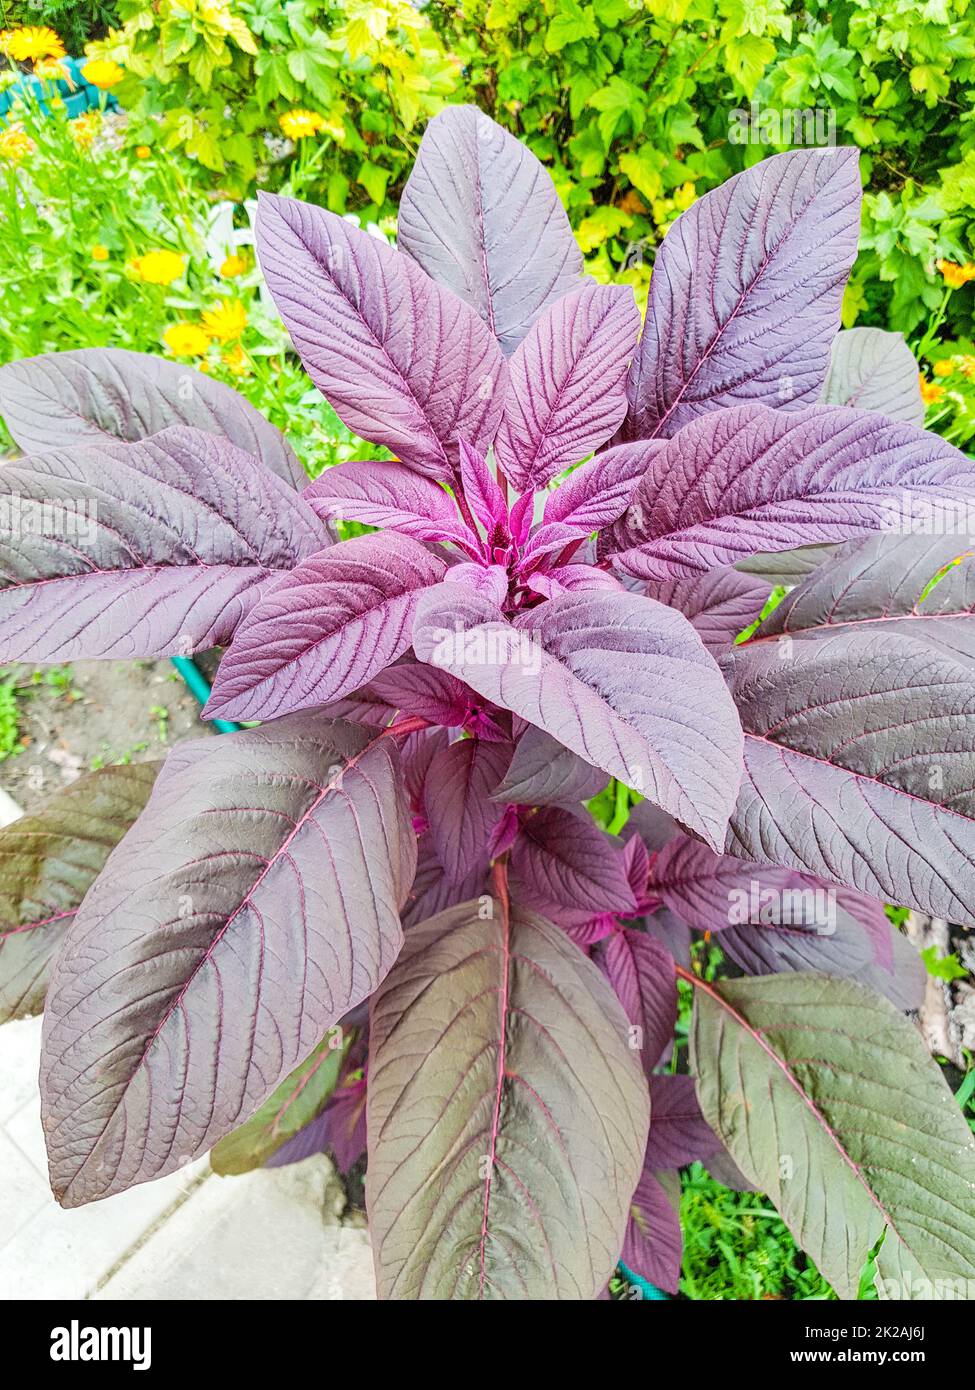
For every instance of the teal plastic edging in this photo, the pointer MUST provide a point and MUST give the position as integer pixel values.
(648, 1290)
(78, 95)
(200, 688)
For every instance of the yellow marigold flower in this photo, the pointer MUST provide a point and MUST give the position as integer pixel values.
(298, 124)
(142, 151)
(233, 266)
(32, 42)
(227, 322)
(99, 252)
(186, 339)
(236, 361)
(956, 275)
(102, 73)
(159, 267)
(15, 143)
(931, 392)
(944, 368)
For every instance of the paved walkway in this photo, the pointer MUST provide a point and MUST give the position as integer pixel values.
(267, 1235)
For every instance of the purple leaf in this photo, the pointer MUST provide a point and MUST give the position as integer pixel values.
(481, 216)
(574, 579)
(140, 550)
(456, 797)
(620, 680)
(874, 370)
(254, 902)
(746, 292)
(416, 753)
(654, 1242)
(507, 1117)
(338, 619)
(433, 891)
(563, 859)
(862, 740)
(566, 385)
(719, 604)
(672, 933)
(415, 688)
(543, 773)
(99, 395)
(654, 827)
(490, 581)
(598, 493)
(403, 362)
(679, 1133)
(482, 492)
(641, 972)
(389, 496)
(752, 479)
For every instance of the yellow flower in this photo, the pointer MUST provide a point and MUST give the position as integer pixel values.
(159, 267)
(226, 322)
(142, 151)
(102, 73)
(966, 365)
(956, 275)
(236, 361)
(298, 124)
(944, 368)
(85, 128)
(30, 43)
(931, 392)
(233, 266)
(186, 340)
(99, 252)
(15, 143)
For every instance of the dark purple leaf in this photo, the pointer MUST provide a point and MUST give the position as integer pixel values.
(98, 395)
(432, 890)
(543, 773)
(254, 902)
(563, 859)
(654, 1242)
(480, 215)
(566, 385)
(481, 491)
(338, 619)
(752, 479)
(620, 680)
(459, 809)
(641, 972)
(403, 362)
(719, 604)
(679, 1133)
(746, 292)
(140, 550)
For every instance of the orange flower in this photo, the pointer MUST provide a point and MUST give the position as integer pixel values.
(931, 392)
(233, 266)
(956, 275)
(142, 151)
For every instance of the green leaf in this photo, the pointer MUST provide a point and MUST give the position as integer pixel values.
(570, 23)
(828, 1101)
(507, 1114)
(297, 1101)
(374, 181)
(48, 861)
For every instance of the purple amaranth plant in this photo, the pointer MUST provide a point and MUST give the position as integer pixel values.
(384, 914)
